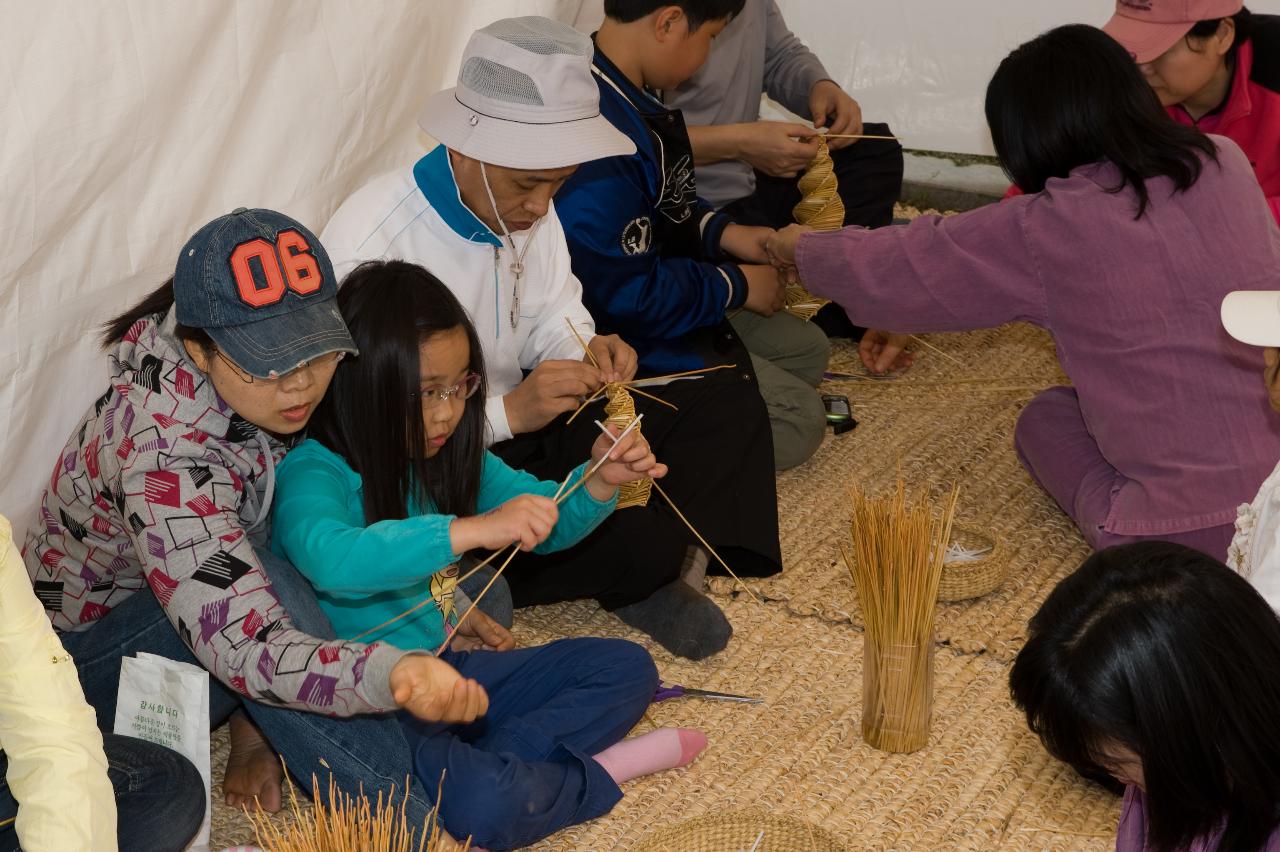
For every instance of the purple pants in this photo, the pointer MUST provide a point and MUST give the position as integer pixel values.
(1056, 448)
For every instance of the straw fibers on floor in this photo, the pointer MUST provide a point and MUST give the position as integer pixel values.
(983, 782)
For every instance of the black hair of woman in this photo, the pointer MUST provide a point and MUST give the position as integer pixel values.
(158, 302)
(1160, 651)
(1242, 21)
(372, 414)
(1072, 96)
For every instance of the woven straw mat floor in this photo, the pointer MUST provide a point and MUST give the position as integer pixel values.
(983, 782)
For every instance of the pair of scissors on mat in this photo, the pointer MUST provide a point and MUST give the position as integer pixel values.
(665, 692)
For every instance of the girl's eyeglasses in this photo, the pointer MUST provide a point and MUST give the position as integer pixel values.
(464, 389)
(329, 359)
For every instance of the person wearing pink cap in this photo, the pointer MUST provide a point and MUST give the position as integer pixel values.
(1214, 65)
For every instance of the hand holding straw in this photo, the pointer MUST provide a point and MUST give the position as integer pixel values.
(514, 549)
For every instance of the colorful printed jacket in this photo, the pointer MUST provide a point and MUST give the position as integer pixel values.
(162, 482)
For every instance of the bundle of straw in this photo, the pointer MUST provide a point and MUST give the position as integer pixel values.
(899, 545)
(352, 824)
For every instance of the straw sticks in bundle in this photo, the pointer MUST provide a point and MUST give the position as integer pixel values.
(344, 823)
(899, 544)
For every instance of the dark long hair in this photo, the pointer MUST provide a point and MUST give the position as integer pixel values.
(372, 414)
(1168, 653)
(1073, 96)
(156, 303)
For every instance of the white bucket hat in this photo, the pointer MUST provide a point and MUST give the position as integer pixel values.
(525, 99)
(1253, 316)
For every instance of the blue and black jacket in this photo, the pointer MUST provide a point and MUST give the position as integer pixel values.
(645, 248)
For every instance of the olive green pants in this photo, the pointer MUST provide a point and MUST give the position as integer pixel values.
(789, 356)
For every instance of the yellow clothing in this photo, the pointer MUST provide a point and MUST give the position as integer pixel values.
(57, 769)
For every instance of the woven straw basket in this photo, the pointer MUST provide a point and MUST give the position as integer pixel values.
(738, 832)
(974, 578)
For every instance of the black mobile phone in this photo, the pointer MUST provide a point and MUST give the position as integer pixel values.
(839, 413)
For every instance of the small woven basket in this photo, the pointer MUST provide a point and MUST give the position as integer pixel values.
(738, 832)
(974, 578)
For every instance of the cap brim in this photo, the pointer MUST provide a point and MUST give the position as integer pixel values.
(281, 343)
(517, 144)
(1253, 316)
(1145, 40)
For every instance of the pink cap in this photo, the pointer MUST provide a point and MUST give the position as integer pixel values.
(1147, 28)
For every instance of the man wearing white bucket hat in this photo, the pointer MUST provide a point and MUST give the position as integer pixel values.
(1253, 317)
(477, 212)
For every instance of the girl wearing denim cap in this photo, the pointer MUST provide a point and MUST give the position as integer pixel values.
(151, 534)
(375, 509)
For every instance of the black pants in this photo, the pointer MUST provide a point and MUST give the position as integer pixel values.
(869, 173)
(720, 452)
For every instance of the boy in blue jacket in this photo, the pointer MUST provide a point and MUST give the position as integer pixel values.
(685, 285)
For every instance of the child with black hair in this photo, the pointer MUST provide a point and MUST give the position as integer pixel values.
(377, 505)
(1158, 665)
(687, 286)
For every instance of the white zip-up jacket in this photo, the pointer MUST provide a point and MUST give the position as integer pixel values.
(417, 215)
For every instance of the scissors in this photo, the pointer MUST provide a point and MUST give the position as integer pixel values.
(665, 692)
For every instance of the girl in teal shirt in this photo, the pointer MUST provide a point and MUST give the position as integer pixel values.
(376, 507)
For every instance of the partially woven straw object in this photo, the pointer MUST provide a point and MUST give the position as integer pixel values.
(620, 411)
(973, 578)
(738, 832)
(820, 208)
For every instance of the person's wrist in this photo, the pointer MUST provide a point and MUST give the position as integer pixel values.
(600, 490)
(515, 422)
(462, 535)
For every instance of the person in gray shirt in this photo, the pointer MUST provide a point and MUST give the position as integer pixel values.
(749, 168)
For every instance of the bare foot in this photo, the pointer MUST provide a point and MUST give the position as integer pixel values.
(253, 769)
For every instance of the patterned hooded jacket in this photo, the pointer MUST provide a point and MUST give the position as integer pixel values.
(159, 486)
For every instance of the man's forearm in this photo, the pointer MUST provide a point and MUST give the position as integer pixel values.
(715, 143)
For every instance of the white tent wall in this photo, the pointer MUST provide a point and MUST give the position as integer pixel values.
(125, 124)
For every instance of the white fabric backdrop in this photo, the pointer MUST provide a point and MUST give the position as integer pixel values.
(126, 124)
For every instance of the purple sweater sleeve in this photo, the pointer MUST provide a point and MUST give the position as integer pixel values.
(958, 273)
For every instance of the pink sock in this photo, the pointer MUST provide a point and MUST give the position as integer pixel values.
(665, 748)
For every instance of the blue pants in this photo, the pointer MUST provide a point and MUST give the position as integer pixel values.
(363, 750)
(525, 771)
(159, 796)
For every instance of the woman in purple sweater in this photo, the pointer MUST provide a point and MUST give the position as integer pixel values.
(1132, 232)
(1156, 665)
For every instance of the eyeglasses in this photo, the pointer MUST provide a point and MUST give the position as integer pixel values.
(329, 359)
(464, 389)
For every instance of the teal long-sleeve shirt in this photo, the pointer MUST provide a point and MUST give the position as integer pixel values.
(365, 574)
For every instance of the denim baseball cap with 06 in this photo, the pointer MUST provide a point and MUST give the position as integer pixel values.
(1147, 28)
(262, 287)
(525, 99)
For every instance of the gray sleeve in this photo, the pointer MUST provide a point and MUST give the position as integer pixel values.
(790, 68)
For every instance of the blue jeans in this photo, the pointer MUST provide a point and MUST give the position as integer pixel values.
(159, 796)
(524, 770)
(363, 750)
